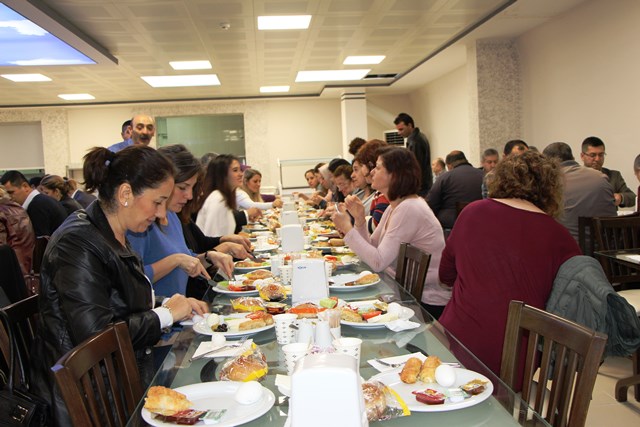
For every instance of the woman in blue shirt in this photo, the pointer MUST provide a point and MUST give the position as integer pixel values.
(168, 262)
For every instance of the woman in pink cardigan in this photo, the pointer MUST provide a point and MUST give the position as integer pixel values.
(408, 219)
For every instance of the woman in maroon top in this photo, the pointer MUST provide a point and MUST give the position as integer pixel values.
(508, 247)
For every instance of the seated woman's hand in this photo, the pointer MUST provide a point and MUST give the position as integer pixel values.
(355, 207)
(191, 265)
(342, 220)
(233, 249)
(223, 261)
(277, 203)
(254, 214)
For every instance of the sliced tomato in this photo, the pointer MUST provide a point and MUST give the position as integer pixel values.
(331, 258)
(238, 288)
(369, 314)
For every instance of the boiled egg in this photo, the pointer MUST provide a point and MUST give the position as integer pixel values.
(445, 375)
(248, 393)
(213, 320)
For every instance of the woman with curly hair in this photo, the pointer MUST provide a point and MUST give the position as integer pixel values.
(507, 247)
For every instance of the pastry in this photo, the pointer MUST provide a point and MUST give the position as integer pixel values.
(244, 368)
(410, 371)
(258, 274)
(375, 401)
(164, 401)
(367, 279)
(428, 370)
(349, 315)
(336, 242)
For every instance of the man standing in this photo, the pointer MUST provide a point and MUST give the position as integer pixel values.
(143, 129)
(460, 184)
(45, 212)
(593, 153)
(418, 144)
(587, 192)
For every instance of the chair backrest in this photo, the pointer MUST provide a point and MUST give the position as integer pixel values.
(11, 276)
(615, 233)
(586, 235)
(23, 316)
(99, 379)
(567, 354)
(411, 270)
(38, 253)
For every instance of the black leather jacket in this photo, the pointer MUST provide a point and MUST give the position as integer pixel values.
(89, 280)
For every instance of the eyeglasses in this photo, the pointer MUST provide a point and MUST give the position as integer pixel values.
(594, 155)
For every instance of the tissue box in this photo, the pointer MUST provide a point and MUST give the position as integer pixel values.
(325, 388)
(308, 281)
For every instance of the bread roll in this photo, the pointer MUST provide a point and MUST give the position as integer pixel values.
(375, 400)
(164, 401)
(410, 371)
(336, 242)
(428, 370)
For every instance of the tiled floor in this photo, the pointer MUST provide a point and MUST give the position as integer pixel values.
(604, 409)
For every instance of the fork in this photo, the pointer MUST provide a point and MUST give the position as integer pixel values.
(391, 365)
(224, 347)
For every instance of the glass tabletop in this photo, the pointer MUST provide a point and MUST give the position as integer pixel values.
(629, 256)
(503, 408)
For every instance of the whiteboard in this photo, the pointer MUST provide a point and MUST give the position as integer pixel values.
(292, 171)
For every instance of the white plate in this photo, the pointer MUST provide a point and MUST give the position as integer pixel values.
(204, 329)
(326, 248)
(341, 279)
(258, 228)
(266, 248)
(220, 395)
(405, 314)
(249, 269)
(463, 376)
(238, 293)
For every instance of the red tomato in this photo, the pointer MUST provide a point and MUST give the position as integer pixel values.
(369, 314)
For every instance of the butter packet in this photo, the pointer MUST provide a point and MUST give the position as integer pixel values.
(212, 416)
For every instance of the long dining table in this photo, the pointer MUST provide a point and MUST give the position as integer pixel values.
(503, 408)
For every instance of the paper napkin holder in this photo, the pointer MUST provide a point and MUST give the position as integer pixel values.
(289, 217)
(288, 206)
(292, 238)
(308, 281)
(327, 382)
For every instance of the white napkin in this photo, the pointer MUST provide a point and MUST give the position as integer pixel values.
(229, 352)
(359, 304)
(401, 325)
(396, 359)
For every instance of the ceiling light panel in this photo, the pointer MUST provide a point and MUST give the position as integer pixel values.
(190, 65)
(76, 96)
(182, 81)
(292, 22)
(22, 78)
(330, 75)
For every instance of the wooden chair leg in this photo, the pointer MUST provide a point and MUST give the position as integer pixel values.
(623, 385)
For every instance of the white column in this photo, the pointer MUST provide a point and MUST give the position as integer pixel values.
(353, 106)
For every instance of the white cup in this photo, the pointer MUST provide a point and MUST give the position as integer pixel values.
(286, 272)
(285, 334)
(276, 262)
(306, 331)
(328, 269)
(348, 345)
(292, 353)
(323, 338)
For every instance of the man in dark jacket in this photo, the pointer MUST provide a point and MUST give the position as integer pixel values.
(418, 144)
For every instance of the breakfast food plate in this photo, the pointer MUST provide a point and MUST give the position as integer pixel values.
(346, 283)
(203, 328)
(247, 266)
(270, 247)
(222, 289)
(391, 378)
(219, 395)
(403, 313)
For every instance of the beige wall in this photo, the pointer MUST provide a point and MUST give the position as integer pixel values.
(581, 77)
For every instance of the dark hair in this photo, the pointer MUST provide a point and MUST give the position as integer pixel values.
(16, 178)
(217, 178)
(311, 171)
(530, 176)
(558, 150)
(404, 169)
(355, 145)
(455, 158)
(55, 182)
(489, 152)
(35, 181)
(636, 164)
(140, 166)
(186, 166)
(591, 141)
(316, 168)
(368, 153)
(333, 164)
(440, 162)
(125, 125)
(508, 147)
(404, 118)
(343, 170)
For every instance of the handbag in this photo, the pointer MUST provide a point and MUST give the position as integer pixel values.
(19, 407)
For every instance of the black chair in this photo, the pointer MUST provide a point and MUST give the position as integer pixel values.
(11, 276)
(23, 317)
(411, 269)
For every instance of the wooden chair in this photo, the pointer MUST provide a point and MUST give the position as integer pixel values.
(99, 379)
(569, 360)
(586, 235)
(23, 316)
(616, 233)
(411, 270)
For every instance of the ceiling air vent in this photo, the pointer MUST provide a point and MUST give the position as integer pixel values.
(379, 76)
(393, 137)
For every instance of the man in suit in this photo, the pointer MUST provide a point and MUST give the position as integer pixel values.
(418, 144)
(85, 199)
(45, 212)
(593, 153)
